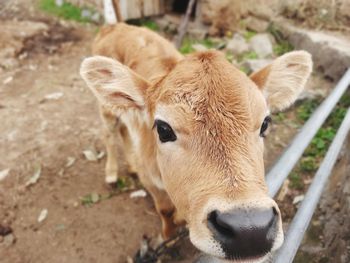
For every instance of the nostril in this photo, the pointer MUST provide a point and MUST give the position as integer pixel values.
(216, 224)
(244, 233)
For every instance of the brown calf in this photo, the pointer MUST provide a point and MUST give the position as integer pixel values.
(192, 128)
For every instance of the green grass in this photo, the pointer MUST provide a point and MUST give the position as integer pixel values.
(187, 44)
(249, 34)
(319, 145)
(66, 11)
(305, 110)
(250, 55)
(245, 70)
(295, 181)
(124, 184)
(247, 55)
(282, 48)
(150, 24)
(280, 116)
(144, 22)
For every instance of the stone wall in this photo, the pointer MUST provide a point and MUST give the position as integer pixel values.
(227, 15)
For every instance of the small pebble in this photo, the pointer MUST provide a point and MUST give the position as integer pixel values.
(9, 240)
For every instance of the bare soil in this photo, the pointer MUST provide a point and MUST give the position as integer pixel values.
(47, 132)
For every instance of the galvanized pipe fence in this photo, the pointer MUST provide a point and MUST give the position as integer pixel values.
(280, 171)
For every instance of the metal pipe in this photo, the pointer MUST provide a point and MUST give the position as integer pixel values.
(292, 154)
(304, 214)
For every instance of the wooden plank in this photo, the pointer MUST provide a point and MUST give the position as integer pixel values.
(116, 8)
(131, 9)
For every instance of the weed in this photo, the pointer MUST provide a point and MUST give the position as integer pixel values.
(317, 149)
(144, 22)
(66, 10)
(187, 44)
(229, 56)
(305, 110)
(247, 55)
(244, 69)
(280, 116)
(282, 48)
(308, 164)
(250, 55)
(150, 24)
(249, 34)
(90, 199)
(295, 181)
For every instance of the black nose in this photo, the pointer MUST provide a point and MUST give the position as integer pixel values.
(244, 233)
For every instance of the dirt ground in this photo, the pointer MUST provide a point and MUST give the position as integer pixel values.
(37, 130)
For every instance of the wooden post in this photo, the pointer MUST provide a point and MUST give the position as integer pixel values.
(117, 10)
(184, 24)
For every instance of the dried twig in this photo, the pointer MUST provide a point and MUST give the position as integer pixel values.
(184, 24)
(147, 254)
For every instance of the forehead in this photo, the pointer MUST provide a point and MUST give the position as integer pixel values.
(221, 97)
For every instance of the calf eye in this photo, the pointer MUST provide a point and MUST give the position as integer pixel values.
(265, 125)
(165, 132)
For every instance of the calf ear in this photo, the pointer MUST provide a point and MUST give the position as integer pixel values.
(284, 79)
(115, 85)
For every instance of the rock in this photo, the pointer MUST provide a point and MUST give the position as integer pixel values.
(9, 240)
(86, 13)
(256, 24)
(262, 45)
(344, 11)
(168, 22)
(253, 65)
(221, 15)
(172, 19)
(23, 29)
(59, 2)
(330, 54)
(237, 45)
(197, 33)
(264, 9)
(199, 47)
(96, 17)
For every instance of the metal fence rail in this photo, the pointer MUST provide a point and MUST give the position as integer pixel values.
(290, 157)
(304, 214)
(280, 171)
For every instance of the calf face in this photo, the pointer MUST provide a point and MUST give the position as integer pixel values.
(208, 121)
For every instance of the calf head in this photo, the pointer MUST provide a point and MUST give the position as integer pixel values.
(208, 121)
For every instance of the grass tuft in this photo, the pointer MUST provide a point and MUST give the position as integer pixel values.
(144, 22)
(282, 48)
(249, 34)
(187, 44)
(66, 11)
(319, 145)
